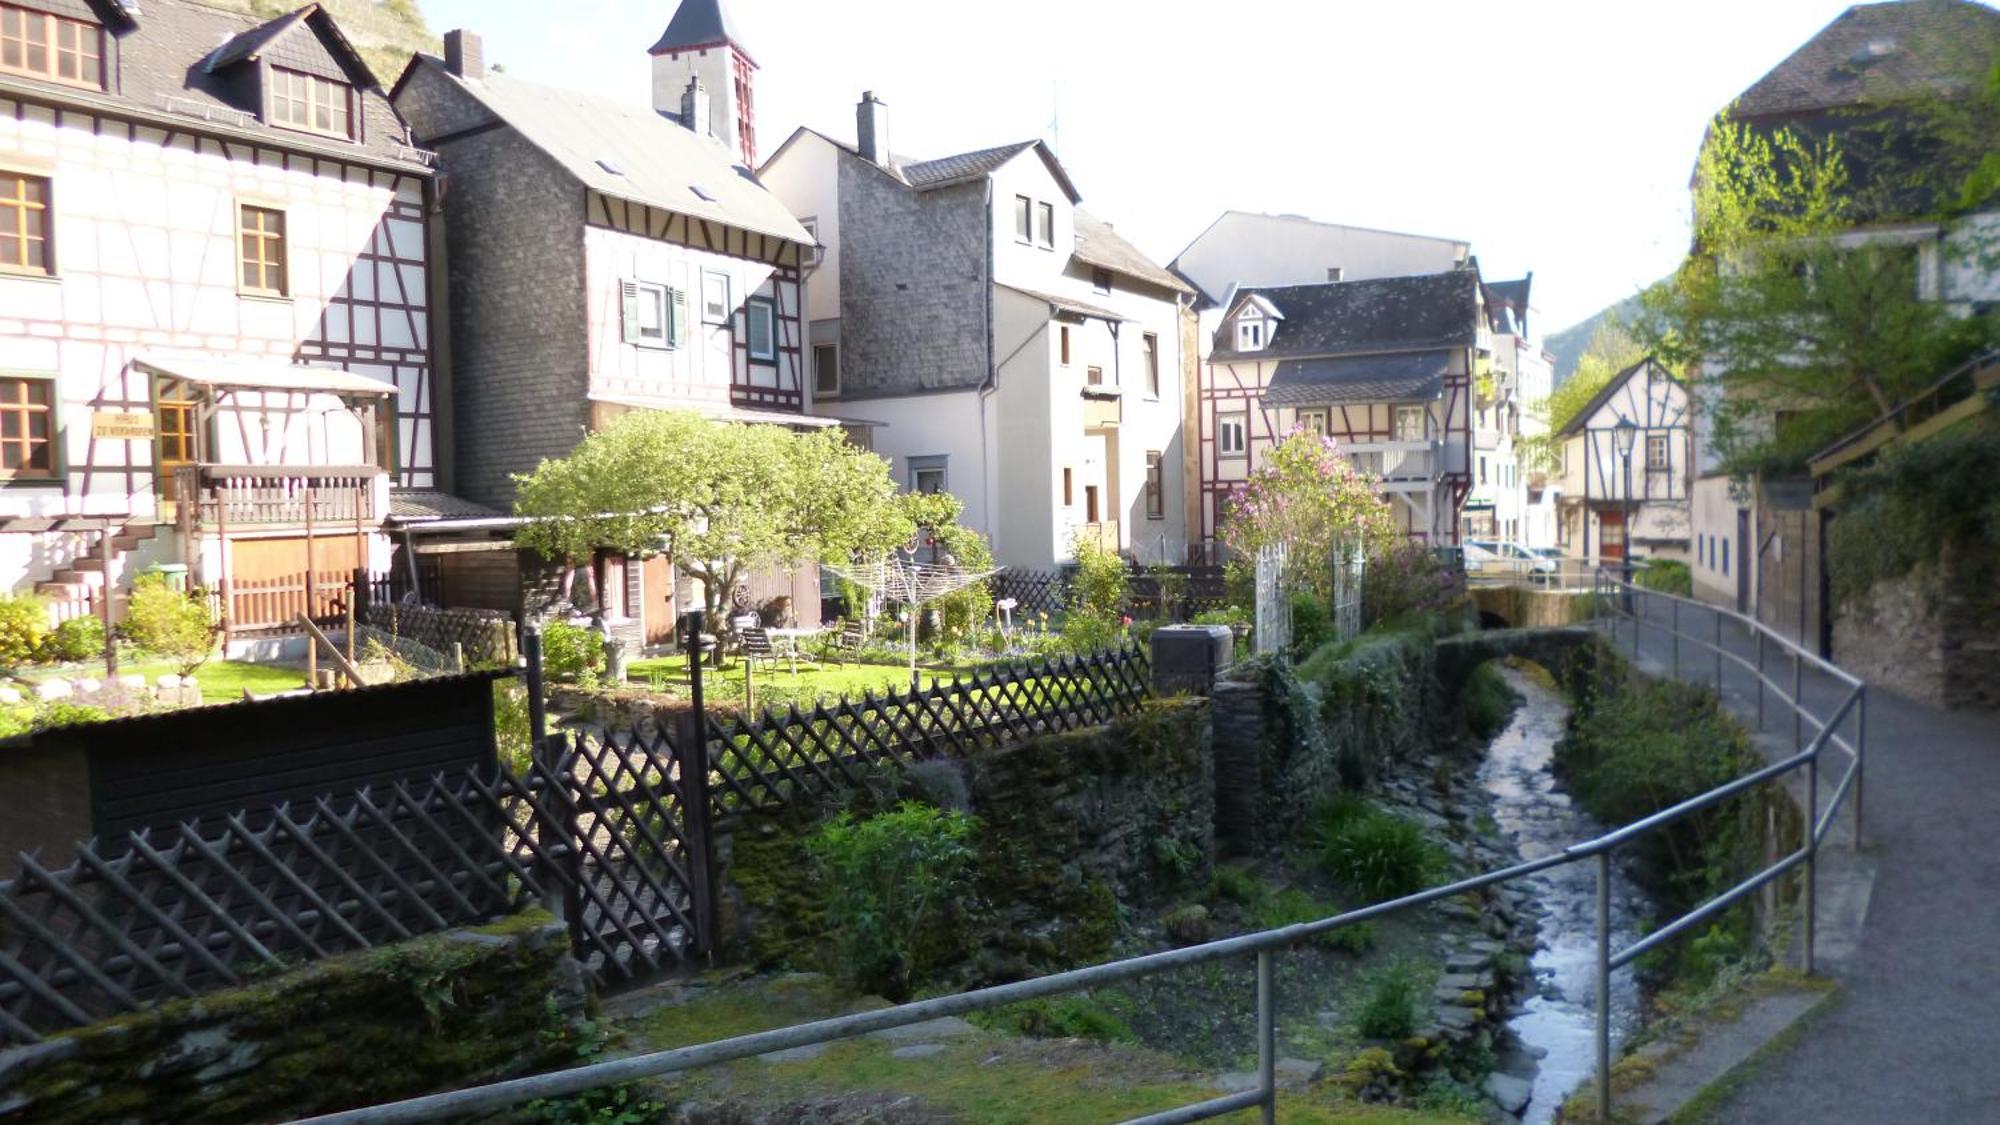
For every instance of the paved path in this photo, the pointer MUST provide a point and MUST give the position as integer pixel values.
(1917, 1036)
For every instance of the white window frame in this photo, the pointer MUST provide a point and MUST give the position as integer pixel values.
(1666, 450)
(1236, 424)
(1398, 428)
(634, 297)
(1149, 347)
(1309, 415)
(814, 253)
(769, 311)
(1045, 225)
(1250, 334)
(714, 297)
(939, 463)
(1024, 220)
(1100, 280)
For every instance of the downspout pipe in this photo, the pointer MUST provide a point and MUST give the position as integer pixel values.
(987, 387)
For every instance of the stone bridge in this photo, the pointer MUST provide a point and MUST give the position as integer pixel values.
(1520, 605)
(1569, 652)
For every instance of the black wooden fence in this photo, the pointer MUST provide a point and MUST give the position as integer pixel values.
(614, 827)
(1173, 593)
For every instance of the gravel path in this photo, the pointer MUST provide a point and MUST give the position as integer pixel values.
(1914, 1038)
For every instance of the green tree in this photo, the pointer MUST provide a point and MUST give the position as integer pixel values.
(719, 498)
(1798, 331)
(1308, 496)
(1611, 350)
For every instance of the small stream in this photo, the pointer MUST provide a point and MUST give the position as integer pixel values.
(1539, 819)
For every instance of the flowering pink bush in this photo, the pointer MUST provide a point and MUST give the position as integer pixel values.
(1309, 496)
(1406, 578)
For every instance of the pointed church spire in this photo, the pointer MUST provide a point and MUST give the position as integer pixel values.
(702, 44)
(697, 24)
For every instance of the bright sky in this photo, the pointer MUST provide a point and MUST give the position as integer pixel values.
(1554, 135)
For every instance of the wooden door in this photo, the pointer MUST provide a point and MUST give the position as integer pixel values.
(267, 578)
(1611, 535)
(656, 600)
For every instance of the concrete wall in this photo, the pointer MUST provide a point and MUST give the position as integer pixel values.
(807, 180)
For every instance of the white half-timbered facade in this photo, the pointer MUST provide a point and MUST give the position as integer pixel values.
(214, 286)
(1384, 366)
(1654, 484)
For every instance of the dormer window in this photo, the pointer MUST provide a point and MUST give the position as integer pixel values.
(312, 104)
(51, 47)
(1250, 334)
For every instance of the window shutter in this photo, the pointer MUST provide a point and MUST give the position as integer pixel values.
(677, 309)
(628, 294)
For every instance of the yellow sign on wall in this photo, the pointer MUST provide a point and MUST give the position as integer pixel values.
(117, 425)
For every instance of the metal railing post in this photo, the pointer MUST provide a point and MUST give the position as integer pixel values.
(1717, 614)
(1798, 698)
(1632, 605)
(1860, 753)
(1267, 1038)
(1604, 986)
(1760, 680)
(1675, 603)
(1812, 856)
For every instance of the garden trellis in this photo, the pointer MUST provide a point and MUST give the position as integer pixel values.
(899, 577)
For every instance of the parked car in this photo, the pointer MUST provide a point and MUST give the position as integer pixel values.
(1498, 557)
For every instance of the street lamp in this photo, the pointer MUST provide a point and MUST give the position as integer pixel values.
(1622, 436)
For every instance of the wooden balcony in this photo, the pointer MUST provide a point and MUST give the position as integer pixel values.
(1404, 466)
(221, 497)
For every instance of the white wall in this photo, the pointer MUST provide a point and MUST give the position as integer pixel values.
(807, 181)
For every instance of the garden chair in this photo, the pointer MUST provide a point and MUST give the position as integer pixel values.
(757, 647)
(845, 641)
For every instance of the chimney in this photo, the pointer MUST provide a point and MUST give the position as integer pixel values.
(694, 107)
(464, 54)
(871, 129)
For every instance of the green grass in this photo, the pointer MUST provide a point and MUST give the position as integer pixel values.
(986, 1077)
(222, 681)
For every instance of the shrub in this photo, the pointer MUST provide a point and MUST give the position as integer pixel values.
(1098, 589)
(572, 653)
(1669, 576)
(511, 731)
(1389, 1008)
(168, 623)
(1489, 702)
(938, 782)
(75, 640)
(1290, 907)
(1376, 854)
(888, 885)
(62, 713)
(24, 628)
(1312, 624)
(1233, 884)
(1407, 579)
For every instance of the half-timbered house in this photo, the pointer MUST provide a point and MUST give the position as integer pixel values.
(1601, 485)
(1385, 366)
(214, 296)
(605, 257)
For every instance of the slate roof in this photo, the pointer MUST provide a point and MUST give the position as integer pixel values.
(1424, 312)
(1097, 244)
(1068, 305)
(1411, 377)
(658, 162)
(926, 175)
(1873, 52)
(165, 76)
(412, 504)
(699, 23)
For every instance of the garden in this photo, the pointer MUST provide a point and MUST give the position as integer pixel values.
(55, 675)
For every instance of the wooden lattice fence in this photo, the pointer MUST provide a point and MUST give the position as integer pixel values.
(596, 823)
(1033, 591)
(616, 827)
(811, 752)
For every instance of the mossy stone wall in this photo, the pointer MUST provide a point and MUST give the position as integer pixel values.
(449, 1010)
(1071, 826)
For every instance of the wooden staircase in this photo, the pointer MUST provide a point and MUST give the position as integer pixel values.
(86, 572)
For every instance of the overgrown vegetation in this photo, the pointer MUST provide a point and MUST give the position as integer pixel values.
(1307, 497)
(1389, 1009)
(75, 640)
(1489, 702)
(572, 653)
(1648, 745)
(1406, 580)
(890, 883)
(1913, 504)
(1097, 597)
(24, 626)
(1374, 853)
(1669, 576)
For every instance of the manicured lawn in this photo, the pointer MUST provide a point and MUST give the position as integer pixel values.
(222, 681)
(779, 684)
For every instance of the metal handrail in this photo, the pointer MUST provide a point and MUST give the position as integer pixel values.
(1263, 944)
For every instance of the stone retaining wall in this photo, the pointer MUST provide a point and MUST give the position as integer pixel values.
(439, 1012)
(1933, 634)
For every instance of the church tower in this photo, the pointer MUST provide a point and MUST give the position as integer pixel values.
(700, 43)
